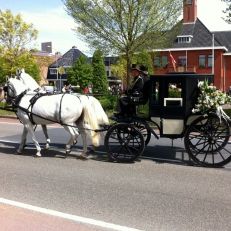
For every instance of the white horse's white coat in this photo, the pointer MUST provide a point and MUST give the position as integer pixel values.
(99, 112)
(68, 109)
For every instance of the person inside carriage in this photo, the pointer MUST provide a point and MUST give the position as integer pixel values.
(136, 93)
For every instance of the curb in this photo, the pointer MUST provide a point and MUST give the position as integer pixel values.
(8, 117)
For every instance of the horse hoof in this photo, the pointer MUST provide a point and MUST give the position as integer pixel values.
(37, 155)
(18, 152)
(67, 153)
(82, 157)
(47, 147)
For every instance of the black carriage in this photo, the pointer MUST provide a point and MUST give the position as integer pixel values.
(171, 100)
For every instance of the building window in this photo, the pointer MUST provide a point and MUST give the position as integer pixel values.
(160, 61)
(182, 61)
(184, 39)
(188, 2)
(157, 61)
(210, 60)
(53, 71)
(202, 61)
(164, 61)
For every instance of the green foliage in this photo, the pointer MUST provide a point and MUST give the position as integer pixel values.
(99, 81)
(81, 73)
(4, 112)
(28, 62)
(174, 93)
(124, 27)
(227, 11)
(15, 34)
(108, 102)
(10, 64)
(144, 58)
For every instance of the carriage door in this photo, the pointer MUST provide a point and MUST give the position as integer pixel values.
(173, 108)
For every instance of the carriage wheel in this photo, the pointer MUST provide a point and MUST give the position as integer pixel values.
(143, 127)
(207, 141)
(124, 143)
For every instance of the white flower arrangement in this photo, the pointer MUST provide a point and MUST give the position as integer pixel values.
(211, 99)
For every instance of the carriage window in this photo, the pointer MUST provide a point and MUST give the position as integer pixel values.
(156, 91)
(174, 95)
(174, 90)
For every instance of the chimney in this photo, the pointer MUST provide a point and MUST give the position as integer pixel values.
(190, 11)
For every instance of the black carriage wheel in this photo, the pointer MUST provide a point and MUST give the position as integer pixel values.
(124, 143)
(143, 127)
(206, 139)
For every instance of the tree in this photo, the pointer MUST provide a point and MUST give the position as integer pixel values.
(124, 26)
(227, 11)
(80, 73)
(15, 35)
(119, 68)
(144, 58)
(99, 80)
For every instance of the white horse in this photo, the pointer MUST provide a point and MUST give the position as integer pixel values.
(99, 113)
(68, 110)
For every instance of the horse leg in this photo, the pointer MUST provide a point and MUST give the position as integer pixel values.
(31, 131)
(72, 131)
(23, 140)
(44, 128)
(84, 137)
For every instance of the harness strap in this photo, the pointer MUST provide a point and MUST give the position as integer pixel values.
(33, 100)
(60, 109)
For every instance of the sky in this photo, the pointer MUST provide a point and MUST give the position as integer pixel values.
(55, 25)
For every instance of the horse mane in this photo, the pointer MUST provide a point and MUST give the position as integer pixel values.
(29, 81)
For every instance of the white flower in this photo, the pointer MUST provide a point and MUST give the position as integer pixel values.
(210, 98)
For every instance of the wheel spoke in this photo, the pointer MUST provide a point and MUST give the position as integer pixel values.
(206, 144)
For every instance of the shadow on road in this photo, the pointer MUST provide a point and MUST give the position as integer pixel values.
(158, 153)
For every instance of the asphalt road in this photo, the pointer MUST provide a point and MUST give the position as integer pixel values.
(163, 191)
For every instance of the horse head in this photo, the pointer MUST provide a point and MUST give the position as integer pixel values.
(14, 88)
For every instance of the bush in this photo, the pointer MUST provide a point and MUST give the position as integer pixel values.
(108, 102)
(5, 112)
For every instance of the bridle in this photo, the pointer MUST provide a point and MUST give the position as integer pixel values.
(11, 94)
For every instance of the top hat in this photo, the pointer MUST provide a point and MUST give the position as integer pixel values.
(144, 69)
(135, 67)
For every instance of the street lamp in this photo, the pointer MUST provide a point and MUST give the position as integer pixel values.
(60, 71)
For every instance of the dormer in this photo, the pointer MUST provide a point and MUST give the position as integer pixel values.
(190, 11)
(184, 38)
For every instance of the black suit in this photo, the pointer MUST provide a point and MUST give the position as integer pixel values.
(136, 89)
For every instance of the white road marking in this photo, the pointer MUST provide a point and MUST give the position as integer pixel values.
(79, 219)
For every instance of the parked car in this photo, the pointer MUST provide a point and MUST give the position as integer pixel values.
(49, 89)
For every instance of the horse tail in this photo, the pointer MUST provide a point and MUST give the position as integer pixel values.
(90, 119)
(99, 111)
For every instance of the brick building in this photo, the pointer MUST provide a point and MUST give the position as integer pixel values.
(197, 50)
